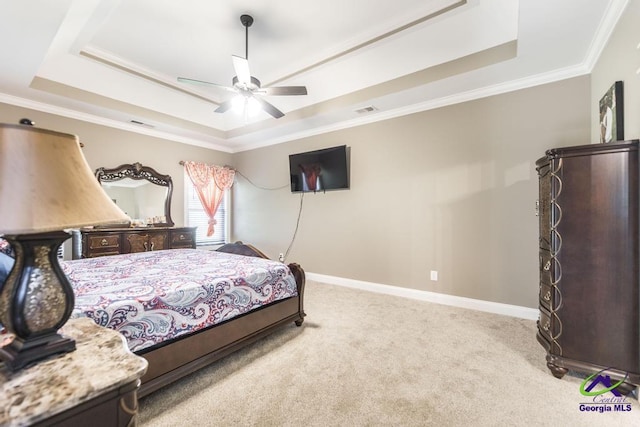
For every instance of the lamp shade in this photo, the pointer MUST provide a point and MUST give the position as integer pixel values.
(47, 185)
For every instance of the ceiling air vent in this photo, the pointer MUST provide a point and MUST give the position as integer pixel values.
(139, 123)
(366, 109)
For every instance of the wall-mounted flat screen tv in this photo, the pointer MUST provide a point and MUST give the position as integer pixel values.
(320, 170)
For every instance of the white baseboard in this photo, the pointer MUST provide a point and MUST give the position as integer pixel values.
(452, 300)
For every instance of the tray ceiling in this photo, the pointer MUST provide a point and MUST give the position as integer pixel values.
(116, 62)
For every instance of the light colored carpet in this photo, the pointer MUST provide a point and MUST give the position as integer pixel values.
(368, 359)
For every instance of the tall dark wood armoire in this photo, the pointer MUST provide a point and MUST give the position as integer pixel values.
(589, 255)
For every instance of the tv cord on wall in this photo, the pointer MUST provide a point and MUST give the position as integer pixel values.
(295, 232)
(257, 186)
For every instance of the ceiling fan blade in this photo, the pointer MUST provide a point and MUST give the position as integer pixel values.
(269, 108)
(224, 106)
(283, 90)
(241, 65)
(203, 83)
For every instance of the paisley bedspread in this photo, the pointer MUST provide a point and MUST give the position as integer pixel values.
(152, 297)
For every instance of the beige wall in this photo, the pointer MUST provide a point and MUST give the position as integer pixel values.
(110, 147)
(620, 60)
(451, 190)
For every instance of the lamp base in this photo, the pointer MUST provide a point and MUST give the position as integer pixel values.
(19, 354)
(35, 301)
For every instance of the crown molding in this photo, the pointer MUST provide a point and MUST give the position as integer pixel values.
(498, 89)
(103, 121)
(608, 24)
(472, 95)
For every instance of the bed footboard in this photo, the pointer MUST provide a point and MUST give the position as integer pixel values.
(179, 358)
(298, 273)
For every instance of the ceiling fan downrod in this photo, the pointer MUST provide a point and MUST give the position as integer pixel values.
(247, 21)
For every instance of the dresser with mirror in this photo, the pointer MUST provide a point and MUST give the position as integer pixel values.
(145, 195)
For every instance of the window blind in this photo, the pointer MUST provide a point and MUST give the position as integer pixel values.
(196, 217)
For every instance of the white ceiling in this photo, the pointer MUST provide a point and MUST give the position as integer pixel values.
(115, 62)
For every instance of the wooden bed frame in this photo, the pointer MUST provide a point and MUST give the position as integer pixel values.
(183, 356)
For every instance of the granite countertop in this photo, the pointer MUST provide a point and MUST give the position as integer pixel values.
(101, 363)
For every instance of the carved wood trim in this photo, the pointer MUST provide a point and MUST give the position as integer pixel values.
(137, 171)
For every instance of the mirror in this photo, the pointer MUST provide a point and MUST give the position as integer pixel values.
(140, 191)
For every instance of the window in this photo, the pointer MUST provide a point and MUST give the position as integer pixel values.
(196, 217)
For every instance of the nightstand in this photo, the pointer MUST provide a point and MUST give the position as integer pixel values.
(94, 385)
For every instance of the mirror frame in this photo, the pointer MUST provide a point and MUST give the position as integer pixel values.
(138, 172)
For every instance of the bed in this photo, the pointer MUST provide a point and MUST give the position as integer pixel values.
(181, 314)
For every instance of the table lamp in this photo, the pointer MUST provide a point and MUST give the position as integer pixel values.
(46, 186)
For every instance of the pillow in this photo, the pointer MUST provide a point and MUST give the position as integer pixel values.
(6, 264)
(6, 248)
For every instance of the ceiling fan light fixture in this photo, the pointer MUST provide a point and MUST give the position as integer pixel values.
(237, 103)
(245, 105)
(253, 107)
(248, 98)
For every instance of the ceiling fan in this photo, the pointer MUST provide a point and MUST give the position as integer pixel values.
(246, 86)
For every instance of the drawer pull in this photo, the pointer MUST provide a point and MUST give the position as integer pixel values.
(547, 266)
(182, 237)
(104, 242)
(547, 296)
(546, 326)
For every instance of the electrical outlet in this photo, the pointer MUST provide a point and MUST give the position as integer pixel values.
(281, 257)
(434, 275)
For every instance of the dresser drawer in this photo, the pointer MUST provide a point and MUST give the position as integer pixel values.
(545, 266)
(136, 242)
(104, 242)
(158, 241)
(549, 326)
(544, 207)
(115, 241)
(97, 253)
(182, 239)
(546, 295)
(101, 245)
(544, 324)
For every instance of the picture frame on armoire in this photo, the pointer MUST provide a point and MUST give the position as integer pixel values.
(611, 108)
